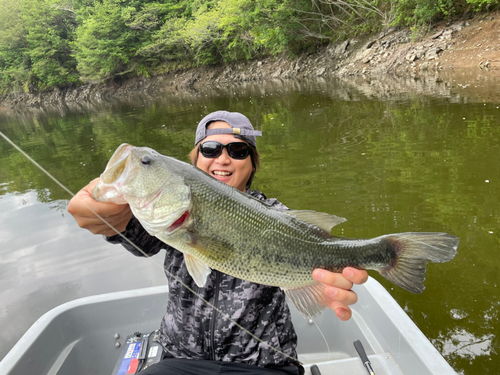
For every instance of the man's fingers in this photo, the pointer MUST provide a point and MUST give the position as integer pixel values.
(343, 312)
(354, 275)
(331, 278)
(122, 225)
(338, 289)
(346, 297)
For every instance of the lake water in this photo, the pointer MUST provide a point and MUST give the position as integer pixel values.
(390, 155)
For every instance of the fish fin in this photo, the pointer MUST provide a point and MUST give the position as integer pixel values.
(322, 220)
(308, 300)
(198, 270)
(413, 250)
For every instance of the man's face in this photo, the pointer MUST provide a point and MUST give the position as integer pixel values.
(231, 171)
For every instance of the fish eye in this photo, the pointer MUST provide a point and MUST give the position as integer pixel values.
(146, 160)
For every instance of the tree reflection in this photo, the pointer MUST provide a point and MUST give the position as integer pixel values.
(389, 158)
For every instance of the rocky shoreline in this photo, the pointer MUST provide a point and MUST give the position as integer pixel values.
(464, 44)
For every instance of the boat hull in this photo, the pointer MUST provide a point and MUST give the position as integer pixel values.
(79, 337)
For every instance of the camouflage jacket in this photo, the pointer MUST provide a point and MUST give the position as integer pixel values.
(193, 329)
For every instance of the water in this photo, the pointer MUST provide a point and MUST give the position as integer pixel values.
(389, 155)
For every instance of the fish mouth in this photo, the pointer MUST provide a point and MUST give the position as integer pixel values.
(116, 164)
(113, 177)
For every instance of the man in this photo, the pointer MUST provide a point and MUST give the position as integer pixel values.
(259, 338)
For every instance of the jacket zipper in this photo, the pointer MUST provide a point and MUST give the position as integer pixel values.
(214, 316)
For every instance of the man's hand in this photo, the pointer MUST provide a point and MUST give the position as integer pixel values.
(82, 206)
(338, 288)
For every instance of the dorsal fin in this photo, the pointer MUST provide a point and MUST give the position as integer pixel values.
(322, 220)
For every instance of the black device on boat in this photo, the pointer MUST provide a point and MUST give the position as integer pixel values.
(138, 353)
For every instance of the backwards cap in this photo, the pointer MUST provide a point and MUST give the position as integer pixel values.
(241, 127)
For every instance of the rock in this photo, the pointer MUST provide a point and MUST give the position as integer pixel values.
(458, 26)
(365, 56)
(419, 53)
(370, 44)
(437, 35)
(320, 71)
(433, 53)
(411, 57)
(441, 45)
(342, 48)
(277, 73)
(424, 66)
(447, 34)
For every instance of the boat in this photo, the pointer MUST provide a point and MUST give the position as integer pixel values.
(87, 335)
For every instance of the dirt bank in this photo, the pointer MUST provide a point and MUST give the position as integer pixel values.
(447, 49)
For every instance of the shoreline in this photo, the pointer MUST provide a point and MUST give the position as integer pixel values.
(461, 46)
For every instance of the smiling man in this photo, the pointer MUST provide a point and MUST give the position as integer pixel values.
(195, 336)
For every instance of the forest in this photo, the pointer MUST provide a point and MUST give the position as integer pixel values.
(59, 43)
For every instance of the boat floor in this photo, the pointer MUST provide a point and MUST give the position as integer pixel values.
(79, 336)
(342, 364)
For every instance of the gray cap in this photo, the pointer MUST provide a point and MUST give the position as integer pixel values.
(241, 127)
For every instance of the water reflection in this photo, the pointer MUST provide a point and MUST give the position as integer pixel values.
(465, 345)
(390, 156)
(45, 261)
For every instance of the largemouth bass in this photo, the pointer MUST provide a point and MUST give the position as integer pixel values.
(217, 226)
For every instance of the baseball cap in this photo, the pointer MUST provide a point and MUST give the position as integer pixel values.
(241, 127)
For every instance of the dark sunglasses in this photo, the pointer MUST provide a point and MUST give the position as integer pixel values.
(236, 150)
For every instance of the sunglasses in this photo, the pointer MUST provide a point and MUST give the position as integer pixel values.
(236, 150)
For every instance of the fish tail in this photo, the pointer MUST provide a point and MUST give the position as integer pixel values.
(411, 253)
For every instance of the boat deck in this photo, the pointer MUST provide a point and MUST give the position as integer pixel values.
(79, 336)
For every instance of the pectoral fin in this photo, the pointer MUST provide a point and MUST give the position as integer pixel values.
(320, 219)
(308, 300)
(198, 270)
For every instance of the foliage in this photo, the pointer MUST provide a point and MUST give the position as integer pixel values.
(49, 43)
(105, 45)
(13, 47)
(49, 27)
(479, 5)
(35, 48)
(422, 12)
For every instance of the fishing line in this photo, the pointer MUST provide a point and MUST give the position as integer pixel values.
(322, 335)
(224, 315)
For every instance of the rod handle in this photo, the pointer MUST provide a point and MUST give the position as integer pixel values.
(315, 370)
(361, 351)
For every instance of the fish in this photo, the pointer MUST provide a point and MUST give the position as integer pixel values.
(216, 226)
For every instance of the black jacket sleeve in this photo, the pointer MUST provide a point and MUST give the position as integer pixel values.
(136, 234)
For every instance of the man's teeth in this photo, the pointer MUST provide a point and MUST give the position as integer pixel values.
(222, 173)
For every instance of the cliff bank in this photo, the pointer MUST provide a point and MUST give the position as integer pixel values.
(449, 48)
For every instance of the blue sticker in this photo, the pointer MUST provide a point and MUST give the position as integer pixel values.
(133, 351)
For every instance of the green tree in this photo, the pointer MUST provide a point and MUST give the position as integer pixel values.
(164, 22)
(14, 60)
(49, 26)
(108, 38)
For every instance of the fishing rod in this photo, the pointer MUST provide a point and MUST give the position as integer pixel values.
(224, 315)
(364, 358)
